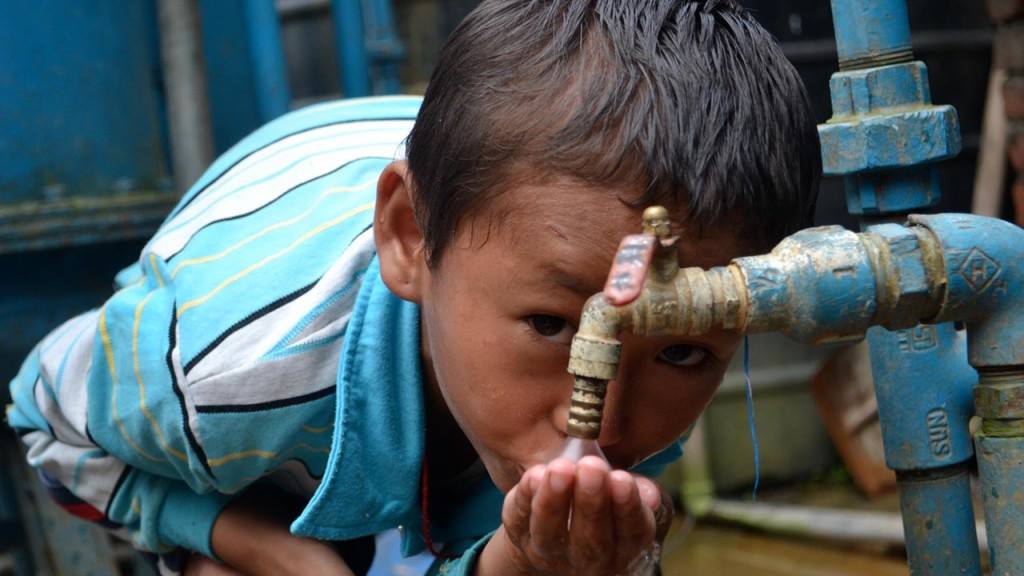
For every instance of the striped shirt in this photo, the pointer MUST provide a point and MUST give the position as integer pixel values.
(215, 364)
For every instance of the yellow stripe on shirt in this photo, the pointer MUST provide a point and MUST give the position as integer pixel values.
(142, 384)
(268, 454)
(284, 223)
(108, 351)
(297, 242)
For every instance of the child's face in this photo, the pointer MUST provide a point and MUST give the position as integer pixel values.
(499, 312)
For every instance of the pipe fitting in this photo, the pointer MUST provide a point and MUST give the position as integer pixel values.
(999, 400)
(908, 269)
(978, 260)
(817, 286)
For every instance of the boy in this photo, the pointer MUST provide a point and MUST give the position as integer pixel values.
(388, 339)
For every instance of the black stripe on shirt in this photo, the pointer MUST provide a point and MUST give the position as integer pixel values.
(117, 486)
(172, 342)
(260, 407)
(269, 204)
(223, 173)
(248, 320)
(305, 465)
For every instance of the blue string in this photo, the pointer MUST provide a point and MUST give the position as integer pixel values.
(750, 417)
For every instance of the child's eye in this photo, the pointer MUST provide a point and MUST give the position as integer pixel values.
(551, 327)
(683, 355)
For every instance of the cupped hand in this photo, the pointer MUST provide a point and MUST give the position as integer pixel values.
(575, 519)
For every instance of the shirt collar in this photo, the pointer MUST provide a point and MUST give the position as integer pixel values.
(372, 479)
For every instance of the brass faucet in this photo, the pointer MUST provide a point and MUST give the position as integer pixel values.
(646, 293)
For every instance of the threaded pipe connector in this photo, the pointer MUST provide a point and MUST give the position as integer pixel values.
(999, 400)
(587, 408)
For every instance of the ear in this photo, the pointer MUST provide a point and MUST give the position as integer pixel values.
(403, 265)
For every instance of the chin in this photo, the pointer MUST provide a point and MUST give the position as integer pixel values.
(504, 473)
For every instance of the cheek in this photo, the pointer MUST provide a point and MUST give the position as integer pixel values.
(668, 404)
(500, 385)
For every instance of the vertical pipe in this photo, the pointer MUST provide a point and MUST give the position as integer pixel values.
(1000, 402)
(941, 534)
(921, 376)
(351, 42)
(266, 55)
(871, 33)
(923, 384)
(1001, 467)
(188, 111)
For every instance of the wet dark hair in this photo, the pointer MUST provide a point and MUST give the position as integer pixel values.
(690, 103)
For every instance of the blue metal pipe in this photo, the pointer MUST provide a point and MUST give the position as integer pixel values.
(923, 385)
(266, 54)
(932, 546)
(1001, 466)
(827, 284)
(983, 289)
(880, 139)
(352, 53)
(871, 32)
(924, 412)
(971, 275)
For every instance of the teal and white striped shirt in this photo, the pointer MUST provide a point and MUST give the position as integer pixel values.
(252, 341)
(216, 363)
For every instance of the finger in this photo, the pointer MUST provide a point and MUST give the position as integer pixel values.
(656, 499)
(515, 512)
(590, 533)
(549, 515)
(650, 494)
(634, 522)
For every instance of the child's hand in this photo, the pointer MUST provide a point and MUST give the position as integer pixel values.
(615, 518)
(251, 536)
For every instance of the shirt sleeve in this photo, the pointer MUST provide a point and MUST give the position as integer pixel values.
(214, 365)
(104, 420)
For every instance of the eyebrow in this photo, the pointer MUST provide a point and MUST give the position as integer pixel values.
(565, 279)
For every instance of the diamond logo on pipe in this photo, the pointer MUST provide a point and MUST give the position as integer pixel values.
(978, 270)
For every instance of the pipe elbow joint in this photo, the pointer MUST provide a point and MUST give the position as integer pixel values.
(983, 277)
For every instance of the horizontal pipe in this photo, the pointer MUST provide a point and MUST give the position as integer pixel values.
(833, 524)
(823, 285)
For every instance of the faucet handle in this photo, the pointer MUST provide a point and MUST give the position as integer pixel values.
(629, 269)
(633, 258)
